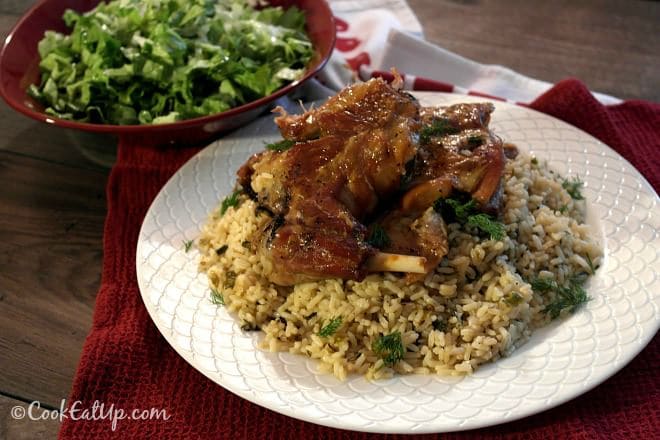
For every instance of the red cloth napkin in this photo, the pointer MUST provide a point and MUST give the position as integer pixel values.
(126, 364)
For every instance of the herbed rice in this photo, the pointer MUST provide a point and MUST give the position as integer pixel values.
(470, 291)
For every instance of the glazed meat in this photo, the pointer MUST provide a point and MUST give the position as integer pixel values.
(369, 156)
(457, 152)
(349, 157)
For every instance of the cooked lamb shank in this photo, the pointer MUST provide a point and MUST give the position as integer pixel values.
(367, 155)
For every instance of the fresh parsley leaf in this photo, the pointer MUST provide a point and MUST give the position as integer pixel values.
(280, 146)
(487, 224)
(217, 298)
(153, 61)
(378, 237)
(439, 127)
(389, 348)
(222, 249)
(331, 327)
(563, 209)
(187, 245)
(229, 201)
(573, 187)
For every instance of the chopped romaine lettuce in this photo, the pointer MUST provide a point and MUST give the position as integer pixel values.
(158, 61)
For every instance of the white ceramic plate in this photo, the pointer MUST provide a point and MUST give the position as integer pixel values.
(558, 363)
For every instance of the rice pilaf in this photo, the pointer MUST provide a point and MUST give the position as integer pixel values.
(476, 306)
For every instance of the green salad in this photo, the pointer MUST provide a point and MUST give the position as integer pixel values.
(158, 61)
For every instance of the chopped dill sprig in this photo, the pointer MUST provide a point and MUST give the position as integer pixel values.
(439, 325)
(464, 213)
(389, 348)
(216, 297)
(513, 299)
(568, 297)
(462, 210)
(230, 279)
(280, 146)
(543, 284)
(378, 237)
(187, 245)
(487, 224)
(229, 201)
(573, 187)
(563, 209)
(331, 327)
(475, 140)
(591, 265)
(439, 127)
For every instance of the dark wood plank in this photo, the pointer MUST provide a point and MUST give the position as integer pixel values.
(51, 225)
(23, 428)
(611, 45)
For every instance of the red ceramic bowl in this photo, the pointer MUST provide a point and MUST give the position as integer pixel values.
(19, 67)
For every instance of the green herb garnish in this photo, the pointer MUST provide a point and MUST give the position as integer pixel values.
(229, 201)
(573, 187)
(331, 327)
(187, 245)
(440, 325)
(217, 298)
(280, 146)
(569, 297)
(246, 244)
(453, 210)
(439, 127)
(474, 141)
(487, 224)
(378, 237)
(591, 265)
(543, 284)
(389, 348)
(563, 209)
(151, 61)
(222, 249)
(534, 161)
(513, 299)
(230, 279)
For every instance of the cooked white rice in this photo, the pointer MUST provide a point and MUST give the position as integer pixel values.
(470, 291)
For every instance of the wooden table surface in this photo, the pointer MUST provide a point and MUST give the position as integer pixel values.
(52, 199)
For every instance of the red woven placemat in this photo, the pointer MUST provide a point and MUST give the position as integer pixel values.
(126, 364)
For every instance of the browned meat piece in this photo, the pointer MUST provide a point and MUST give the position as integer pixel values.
(424, 235)
(324, 188)
(369, 152)
(355, 109)
(459, 153)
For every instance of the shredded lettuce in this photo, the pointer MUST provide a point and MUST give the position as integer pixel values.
(159, 61)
